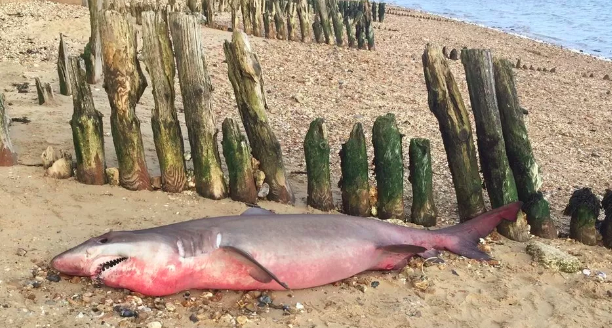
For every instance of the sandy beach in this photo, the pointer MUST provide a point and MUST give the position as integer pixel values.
(569, 124)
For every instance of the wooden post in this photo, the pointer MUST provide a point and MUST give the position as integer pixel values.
(45, 92)
(520, 155)
(245, 75)
(606, 226)
(349, 22)
(196, 91)
(354, 182)
(304, 17)
(237, 155)
(93, 50)
(360, 31)
(323, 14)
(8, 156)
(583, 207)
(279, 20)
(195, 6)
(447, 105)
(291, 20)
(381, 12)
(257, 17)
(500, 184)
(336, 21)
(62, 69)
(389, 167)
(269, 23)
(234, 7)
(158, 56)
(317, 29)
(87, 128)
(316, 153)
(374, 11)
(424, 211)
(124, 83)
(209, 12)
(369, 29)
(245, 5)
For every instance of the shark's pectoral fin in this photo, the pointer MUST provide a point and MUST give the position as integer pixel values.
(257, 270)
(257, 211)
(403, 249)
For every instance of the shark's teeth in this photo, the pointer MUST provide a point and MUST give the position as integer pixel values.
(110, 264)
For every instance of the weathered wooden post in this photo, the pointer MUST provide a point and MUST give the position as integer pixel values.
(8, 156)
(381, 12)
(244, 72)
(234, 7)
(374, 11)
(369, 29)
(45, 92)
(354, 181)
(279, 20)
(291, 20)
(316, 153)
(606, 226)
(520, 155)
(87, 128)
(196, 91)
(424, 211)
(447, 105)
(93, 50)
(257, 16)
(349, 22)
(209, 12)
(62, 69)
(323, 13)
(360, 30)
(500, 184)
(269, 23)
(317, 29)
(158, 56)
(124, 83)
(304, 17)
(336, 21)
(195, 6)
(237, 155)
(245, 5)
(388, 167)
(583, 207)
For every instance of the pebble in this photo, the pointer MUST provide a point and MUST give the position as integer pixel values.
(170, 307)
(194, 318)
(53, 277)
(375, 284)
(264, 300)
(299, 306)
(154, 324)
(21, 252)
(242, 320)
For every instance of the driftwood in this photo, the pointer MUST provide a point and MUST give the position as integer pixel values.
(8, 157)
(354, 181)
(45, 92)
(583, 207)
(520, 155)
(447, 105)
(237, 155)
(424, 211)
(125, 83)
(498, 178)
(87, 128)
(196, 90)
(159, 60)
(62, 69)
(388, 167)
(245, 74)
(316, 153)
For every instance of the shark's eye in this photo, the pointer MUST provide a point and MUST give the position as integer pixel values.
(103, 240)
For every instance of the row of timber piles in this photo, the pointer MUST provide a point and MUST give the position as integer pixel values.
(171, 43)
(321, 21)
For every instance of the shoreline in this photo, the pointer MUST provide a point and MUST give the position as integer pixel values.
(531, 38)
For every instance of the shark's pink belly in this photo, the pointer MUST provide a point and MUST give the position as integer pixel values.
(221, 271)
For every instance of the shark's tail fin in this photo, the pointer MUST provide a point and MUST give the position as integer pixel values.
(463, 238)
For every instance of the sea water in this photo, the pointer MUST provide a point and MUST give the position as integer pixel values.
(582, 25)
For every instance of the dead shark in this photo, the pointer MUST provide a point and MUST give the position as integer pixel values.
(260, 250)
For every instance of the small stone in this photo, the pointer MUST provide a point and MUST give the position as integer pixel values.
(75, 280)
(531, 68)
(260, 176)
(251, 307)
(606, 77)
(21, 252)
(524, 66)
(553, 258)
(591, 75)
(227, 319)
(194, 318)
(609, 293)
(112, 176)
(553, 70)
(454, 55)
(241, 320)
(264, 300)
(53, 277)
(375, 284)
(362, 288)
(61, 169)
(127, 313)
(299, 306)
(154, 324)
(170, 307)
(156, 182)
(263, 191)
(187, 156)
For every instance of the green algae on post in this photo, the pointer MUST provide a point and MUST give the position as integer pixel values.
(237, 155)
(424, 211)
(388, 167)
(583, 207)
(316, 153)
(354, 181)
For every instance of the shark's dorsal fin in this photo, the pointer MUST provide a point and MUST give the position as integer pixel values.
(257, 270)
(257, 211)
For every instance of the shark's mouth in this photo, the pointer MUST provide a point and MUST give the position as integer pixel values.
(107, 265)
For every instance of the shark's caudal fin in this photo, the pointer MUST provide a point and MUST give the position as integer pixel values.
(463, 238)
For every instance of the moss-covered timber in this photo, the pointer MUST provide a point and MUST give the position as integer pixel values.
(125, 83)
(304, 17)
(87, 128)
(354, 181)
(245, 75)
(323, 13)
(237, 155)
(316, 153)
(424, 211)
(583, 208)
(159, 59)
(606, 225)
(447, 105)
(388, 167)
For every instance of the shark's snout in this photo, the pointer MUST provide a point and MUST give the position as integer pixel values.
(70, 264)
